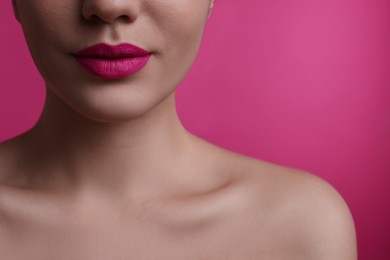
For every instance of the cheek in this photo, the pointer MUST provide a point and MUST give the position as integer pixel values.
(42, 23)
(180, 23)
(45, 26)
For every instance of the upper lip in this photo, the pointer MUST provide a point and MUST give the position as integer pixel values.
(106, 51)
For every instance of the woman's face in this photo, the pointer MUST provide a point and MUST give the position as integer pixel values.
(171, 30)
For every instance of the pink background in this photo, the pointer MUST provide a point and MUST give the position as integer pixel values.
(302, 83)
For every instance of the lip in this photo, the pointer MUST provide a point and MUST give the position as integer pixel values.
(112, 62)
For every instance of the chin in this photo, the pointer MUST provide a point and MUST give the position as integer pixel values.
(107, 104)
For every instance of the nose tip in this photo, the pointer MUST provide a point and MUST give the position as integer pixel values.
(109, 11)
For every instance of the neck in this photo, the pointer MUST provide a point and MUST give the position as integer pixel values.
(141, 155)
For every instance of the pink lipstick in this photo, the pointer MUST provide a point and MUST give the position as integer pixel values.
(112, 62)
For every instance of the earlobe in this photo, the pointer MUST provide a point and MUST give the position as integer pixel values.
(15, 8)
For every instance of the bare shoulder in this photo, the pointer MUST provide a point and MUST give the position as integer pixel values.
(304, 208)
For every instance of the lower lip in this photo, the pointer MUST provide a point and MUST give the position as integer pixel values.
(113, 68)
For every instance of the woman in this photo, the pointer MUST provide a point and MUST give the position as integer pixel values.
(109, 172)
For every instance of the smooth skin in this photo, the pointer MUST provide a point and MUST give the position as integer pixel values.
(109, 171)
